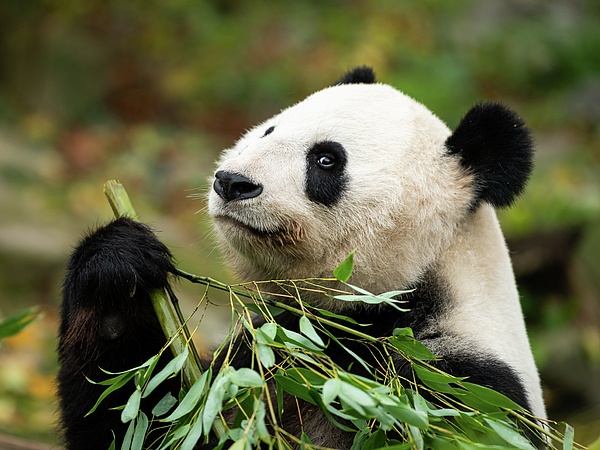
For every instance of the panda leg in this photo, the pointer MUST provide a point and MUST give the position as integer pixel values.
(107, 321)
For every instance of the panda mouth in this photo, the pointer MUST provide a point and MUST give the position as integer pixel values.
(242, 225)
(286, 236)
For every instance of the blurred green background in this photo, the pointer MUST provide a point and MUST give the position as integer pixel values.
(149, 92)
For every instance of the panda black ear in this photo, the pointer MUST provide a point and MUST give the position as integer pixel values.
(357, 75)
(495, 145)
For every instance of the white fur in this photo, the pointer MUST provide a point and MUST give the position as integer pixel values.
(405, 210)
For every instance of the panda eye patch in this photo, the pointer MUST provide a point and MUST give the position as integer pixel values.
(269, 131)
(326, 177)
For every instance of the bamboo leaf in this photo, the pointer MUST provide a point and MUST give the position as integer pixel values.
(273, 310)
(407, 415)
(215, 399)
(122, 380)
(172, 367)
(569, 437)
(164, 405)
(291, 339)
(15, 323)
(194, 434)
(265, 355)
(245, 377)
(269, 329)
(191, 398)
(491, 397)
(350, 392)
(412, 347)
(140, 432)
(429, 376)
(344, 270)
(308, 330)
(293, 388)
(128, 436)
(338, 316)
(510, 435)
(132, 407)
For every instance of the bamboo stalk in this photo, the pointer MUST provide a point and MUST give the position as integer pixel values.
(167, 316)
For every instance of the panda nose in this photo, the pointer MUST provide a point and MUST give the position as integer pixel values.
(232, 186)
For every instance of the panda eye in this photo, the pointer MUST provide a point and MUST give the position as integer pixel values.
(326, 161)
(269, 131)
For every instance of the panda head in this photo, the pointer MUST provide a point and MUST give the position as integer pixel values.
(361, 166)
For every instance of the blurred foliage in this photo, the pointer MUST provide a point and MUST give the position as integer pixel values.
(149, 92)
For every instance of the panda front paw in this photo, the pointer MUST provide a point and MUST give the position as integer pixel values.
(115, 261)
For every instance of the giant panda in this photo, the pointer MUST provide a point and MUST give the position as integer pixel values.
(357, 166)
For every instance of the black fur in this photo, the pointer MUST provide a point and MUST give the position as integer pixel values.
(107, 322)
(363, 74)
(326, 177)
(269, 131)
(494, 144)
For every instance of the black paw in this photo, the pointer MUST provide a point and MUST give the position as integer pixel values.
(115, 261)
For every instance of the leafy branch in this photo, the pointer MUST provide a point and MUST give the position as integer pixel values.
(430, 410)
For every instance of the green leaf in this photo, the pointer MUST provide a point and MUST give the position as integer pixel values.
(245, 377)
(140, 432)
(194, 435)
(191, 398)
(407, 415)
(173, 367)
(412, 347)
(407, 331)
(164, 405)
(293, 388)
(214, 400)
(510, 435)
(331, 388)
(338, 316)
(491, 397)
(308, 330)
(240, 444)
(119, 382)
(474, 401)
(429, 376)
(344, 270)
(376, 440)
(306, 376)
(368, 297)
(305, 441)
(270, 330)
(360, 438)
(260, 310)
(128, 436)
(569, 437)
(14, 323)
(135, 369)
(353, 394)
(132, 407)
(292, 339)
(404, 446)
(266, 355)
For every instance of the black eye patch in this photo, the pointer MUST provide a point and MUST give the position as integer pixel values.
(326, 177)
(269, 131)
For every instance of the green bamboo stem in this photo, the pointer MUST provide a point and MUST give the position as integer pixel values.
(166, 313)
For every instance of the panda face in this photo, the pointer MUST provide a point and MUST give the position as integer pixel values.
(358, 166)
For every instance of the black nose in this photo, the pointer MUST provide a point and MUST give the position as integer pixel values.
(232, 186)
